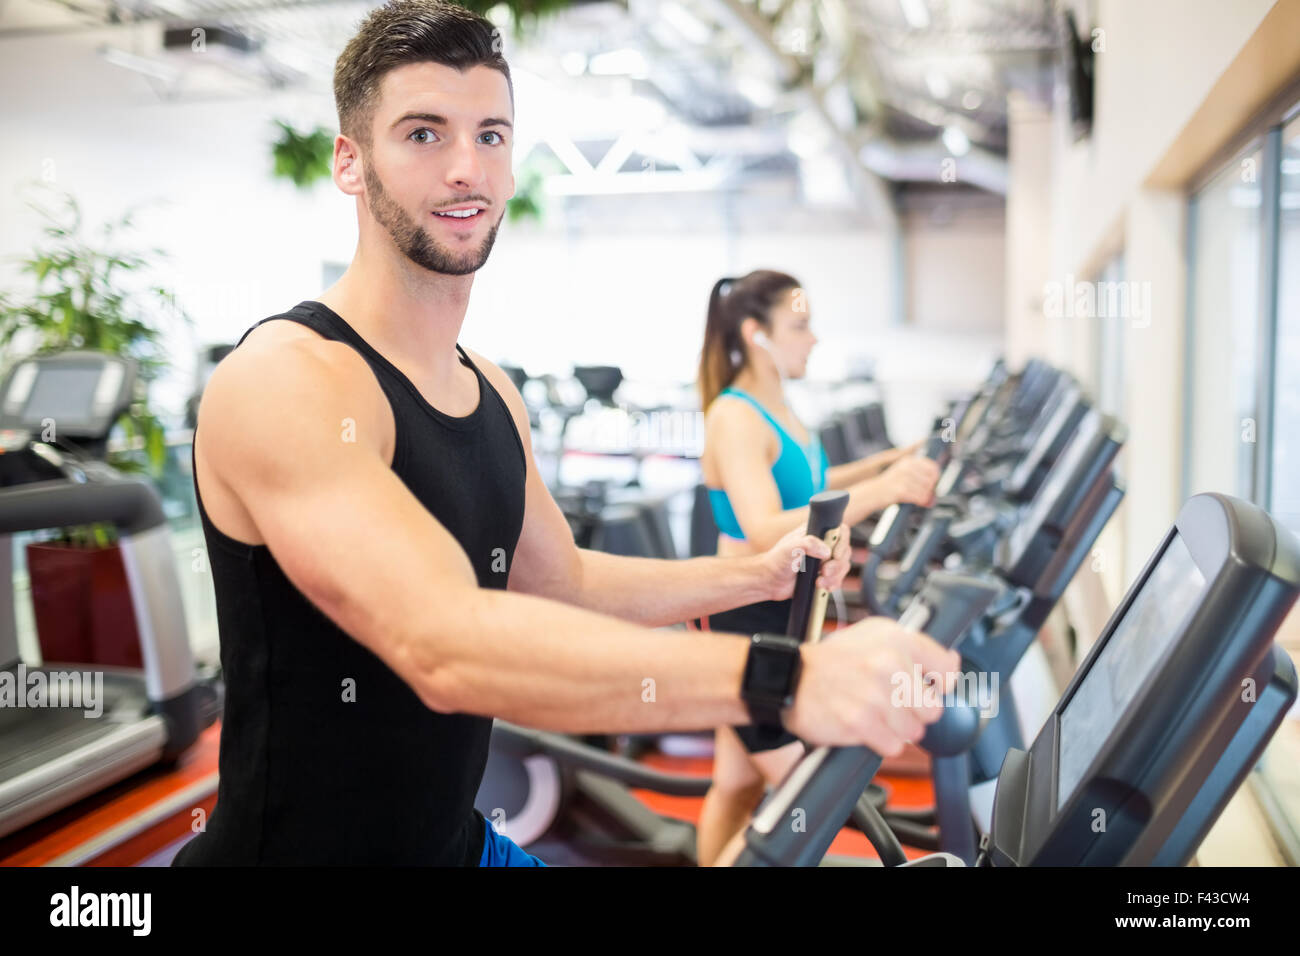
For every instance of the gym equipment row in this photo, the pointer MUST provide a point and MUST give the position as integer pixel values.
(1027, 486)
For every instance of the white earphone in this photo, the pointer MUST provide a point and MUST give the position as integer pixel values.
(762, 341)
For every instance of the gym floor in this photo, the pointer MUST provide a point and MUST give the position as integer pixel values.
(144, 820)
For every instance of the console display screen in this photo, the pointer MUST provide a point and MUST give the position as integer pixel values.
(1126, 663)
(1053, 486)
(1044, 440)
(66, 395)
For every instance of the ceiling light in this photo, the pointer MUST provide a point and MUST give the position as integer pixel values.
(971, 100)
(957, 142)
(758, 90)
(806, 136)
(685, 22)
(938, 84)
(915, 13)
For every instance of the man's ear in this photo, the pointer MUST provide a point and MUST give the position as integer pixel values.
(349, 175)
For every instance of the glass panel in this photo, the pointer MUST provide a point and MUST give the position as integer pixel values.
(1286, 402)
(1281, 765)
(1109, 381)
(1224, 329)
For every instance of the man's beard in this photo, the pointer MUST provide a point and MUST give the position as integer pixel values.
(411, 238)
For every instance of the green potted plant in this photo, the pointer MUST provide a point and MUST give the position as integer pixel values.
(302, 158)
(524, 14)
(81, 300)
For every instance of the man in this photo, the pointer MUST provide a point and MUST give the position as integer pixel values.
(390, 570)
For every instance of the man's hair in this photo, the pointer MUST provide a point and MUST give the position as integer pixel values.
(408, 31)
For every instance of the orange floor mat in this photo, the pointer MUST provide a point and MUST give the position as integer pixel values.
(63, 832)
(905, 793)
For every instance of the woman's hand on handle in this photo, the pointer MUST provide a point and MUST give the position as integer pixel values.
(911, 480)
(894, 454)
(858, 687)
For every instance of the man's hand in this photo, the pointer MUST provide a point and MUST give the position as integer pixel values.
(782, 563)
(858, 687)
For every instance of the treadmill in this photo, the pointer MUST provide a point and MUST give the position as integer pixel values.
(1159, 728)
(53, 755)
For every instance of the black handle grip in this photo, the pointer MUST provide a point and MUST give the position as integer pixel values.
(825, 785)
(825, 512)
(895, 520)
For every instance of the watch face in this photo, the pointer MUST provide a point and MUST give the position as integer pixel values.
(770, 670)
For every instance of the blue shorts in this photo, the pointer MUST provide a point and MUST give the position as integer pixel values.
(499, 850)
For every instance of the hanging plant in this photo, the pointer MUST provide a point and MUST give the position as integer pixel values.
(524, 14)
(527, 200)
(303, 158)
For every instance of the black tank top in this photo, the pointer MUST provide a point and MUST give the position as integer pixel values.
(307, 776)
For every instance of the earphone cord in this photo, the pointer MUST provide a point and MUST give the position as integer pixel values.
(780, 372)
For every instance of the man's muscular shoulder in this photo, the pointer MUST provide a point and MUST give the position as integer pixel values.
(284, 372)
(282, 380)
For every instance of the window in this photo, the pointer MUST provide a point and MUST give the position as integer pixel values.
(1225, 223)
(1242, 378)
(1284, 486)
(1108, 374)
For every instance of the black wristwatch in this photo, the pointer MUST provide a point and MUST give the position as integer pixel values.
(771, 677)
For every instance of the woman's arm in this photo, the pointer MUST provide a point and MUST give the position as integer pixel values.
(850, 473)
(737, 439)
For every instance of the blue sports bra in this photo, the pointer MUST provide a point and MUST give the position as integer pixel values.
(799, 472)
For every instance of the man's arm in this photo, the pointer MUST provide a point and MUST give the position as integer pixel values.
(651, 592)
(354, 540)
(349, 534)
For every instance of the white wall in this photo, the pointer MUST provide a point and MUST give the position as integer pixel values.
(956, 273)
(1160, 60)
(1028, 225)
(547, 300)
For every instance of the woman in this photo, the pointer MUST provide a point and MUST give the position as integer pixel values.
(761, 467)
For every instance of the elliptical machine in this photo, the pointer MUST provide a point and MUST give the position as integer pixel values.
(1152, 737)
(570, 802)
